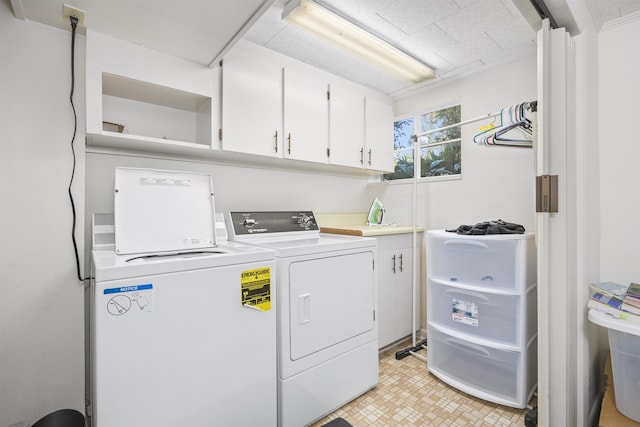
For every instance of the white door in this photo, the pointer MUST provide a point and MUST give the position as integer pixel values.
(555, 232)
(332, 299)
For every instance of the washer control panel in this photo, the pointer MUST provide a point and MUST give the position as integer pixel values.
(271, 223)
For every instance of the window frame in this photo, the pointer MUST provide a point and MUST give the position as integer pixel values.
(416, 117)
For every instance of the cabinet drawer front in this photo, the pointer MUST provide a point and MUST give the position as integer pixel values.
(495, 263)
(483, 371)
(484, 315)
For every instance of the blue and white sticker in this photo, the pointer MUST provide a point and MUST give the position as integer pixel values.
(125, 299)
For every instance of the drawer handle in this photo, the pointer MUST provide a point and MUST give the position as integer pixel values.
(467, 346)
(466, 244)
(459, 292)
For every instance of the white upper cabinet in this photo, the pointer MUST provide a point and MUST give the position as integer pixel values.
(346, 126)
(306, 116)
(379, 135)
(142, 99)
(251, 103)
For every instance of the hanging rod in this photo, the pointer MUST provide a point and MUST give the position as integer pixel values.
(466, 122)
(533, 107)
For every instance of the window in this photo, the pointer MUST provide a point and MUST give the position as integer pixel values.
(440, 152)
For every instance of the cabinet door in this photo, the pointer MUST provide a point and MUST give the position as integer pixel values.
(386, 299)
(395, 288)
(251, 104)
(404, 293)
(379, 135)
(346, 127)
(306, 117)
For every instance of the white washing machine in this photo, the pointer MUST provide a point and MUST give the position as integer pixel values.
(181, 337)
(326, 307)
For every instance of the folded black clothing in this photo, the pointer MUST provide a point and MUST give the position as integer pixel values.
(489, 227)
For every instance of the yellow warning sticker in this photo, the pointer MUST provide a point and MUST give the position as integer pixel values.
(256, 288)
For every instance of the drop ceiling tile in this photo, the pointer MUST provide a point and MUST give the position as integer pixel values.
(267, 27)
(331, 60)
(430, 43)
(472, 50)
(512, 54)
(612, 9)
(475, 20)
(356, 10)
(411, 15)
(512, 34)
(292, 43)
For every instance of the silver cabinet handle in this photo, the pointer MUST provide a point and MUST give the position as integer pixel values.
(394, 264)
(289, 141)
(276, 146)
(369, 156)
(401, 263)
(362, 156)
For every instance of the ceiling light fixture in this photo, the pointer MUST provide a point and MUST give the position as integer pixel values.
(336, 29)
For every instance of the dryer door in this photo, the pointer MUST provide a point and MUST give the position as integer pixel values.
(332, 300)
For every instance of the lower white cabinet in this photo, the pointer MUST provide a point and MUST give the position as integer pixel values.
(395, 287)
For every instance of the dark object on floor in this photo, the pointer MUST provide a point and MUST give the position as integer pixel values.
(406, 352)
(531, 418)
(489, 227)
(61, 418)
(338, 422)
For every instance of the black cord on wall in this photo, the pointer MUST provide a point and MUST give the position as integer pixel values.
(74, 25)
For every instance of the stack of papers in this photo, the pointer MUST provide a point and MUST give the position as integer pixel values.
(616, 300)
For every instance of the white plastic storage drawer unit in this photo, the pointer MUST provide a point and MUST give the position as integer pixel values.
(482, 314)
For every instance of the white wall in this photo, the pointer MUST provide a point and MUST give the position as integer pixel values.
(41, 301)
(619, 91)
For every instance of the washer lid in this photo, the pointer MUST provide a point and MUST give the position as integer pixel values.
(158, 211)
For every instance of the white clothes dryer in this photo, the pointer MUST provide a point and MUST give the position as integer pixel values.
(326, 310)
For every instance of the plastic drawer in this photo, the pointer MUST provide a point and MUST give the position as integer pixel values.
(484, 315)
(495, 262)
(482, 371)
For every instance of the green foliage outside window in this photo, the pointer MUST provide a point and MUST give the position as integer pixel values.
(443, 158)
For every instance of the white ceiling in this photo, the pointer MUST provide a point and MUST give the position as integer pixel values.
(452, 36)
(456, 37)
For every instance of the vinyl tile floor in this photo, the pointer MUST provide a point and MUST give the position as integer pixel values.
(408, 395)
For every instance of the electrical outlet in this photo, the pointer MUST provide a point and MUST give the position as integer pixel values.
(69, 11)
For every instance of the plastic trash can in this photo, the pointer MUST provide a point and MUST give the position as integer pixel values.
(61, 418)
(624, 344)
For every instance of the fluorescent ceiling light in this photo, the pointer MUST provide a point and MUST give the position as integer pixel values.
(334, 28)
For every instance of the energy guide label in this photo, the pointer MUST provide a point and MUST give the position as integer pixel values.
(256, 288)
(465, 312)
